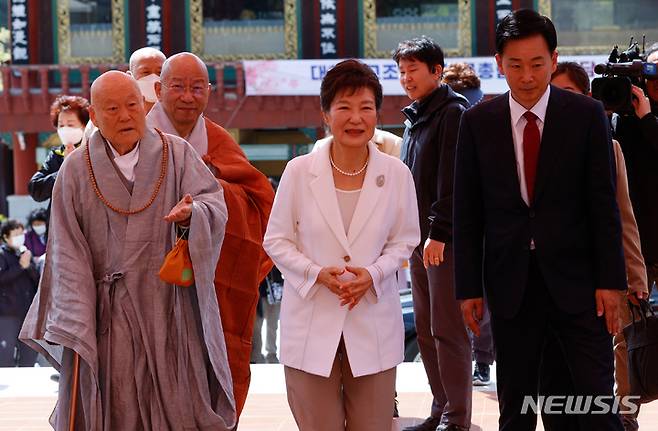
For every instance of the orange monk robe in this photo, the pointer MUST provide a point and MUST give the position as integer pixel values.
(243, 263)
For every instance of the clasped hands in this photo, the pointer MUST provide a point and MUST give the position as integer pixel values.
(350, 292)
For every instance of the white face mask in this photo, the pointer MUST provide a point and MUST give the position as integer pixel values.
(39, 229)
(17, 241)
(147, 87)
(69, 135)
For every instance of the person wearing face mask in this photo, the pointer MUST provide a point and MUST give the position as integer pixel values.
(145, 66)
(18, 285)
(35, 238)
(69, 115)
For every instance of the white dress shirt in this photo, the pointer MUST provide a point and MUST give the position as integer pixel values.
(518, 124)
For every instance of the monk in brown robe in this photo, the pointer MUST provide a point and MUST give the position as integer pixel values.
(183, 93)
(150, 355)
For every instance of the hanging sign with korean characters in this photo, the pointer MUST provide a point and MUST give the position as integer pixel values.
(18, 22)
(328, 28)
(154, 23)
(303, 77)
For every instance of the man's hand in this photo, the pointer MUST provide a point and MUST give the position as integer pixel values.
(640, 102)
(182, 212)
(472, 310)
(68, 149)
(353, 290)
(635, 297)
(608, 304)
(433, 252)
(25, 259)
(329, 277)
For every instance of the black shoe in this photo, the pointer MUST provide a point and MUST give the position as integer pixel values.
(481, 376)
(430, 424)
(450, 427)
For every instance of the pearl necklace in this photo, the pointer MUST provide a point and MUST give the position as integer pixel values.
(340, 171)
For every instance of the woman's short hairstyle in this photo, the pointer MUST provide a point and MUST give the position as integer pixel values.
(576, 74)
(460, 76)
(9, 225)
(37, 214)
(76, 104)
(349, 75)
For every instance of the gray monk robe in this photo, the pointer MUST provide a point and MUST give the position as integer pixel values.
(152, 355)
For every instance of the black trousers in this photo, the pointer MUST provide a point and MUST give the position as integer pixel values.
(586, 344)
(555, 379)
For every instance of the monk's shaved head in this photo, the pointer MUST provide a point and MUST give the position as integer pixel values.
(117, 109)
(145, 55)
(110, 82)
(185, 60)
(183, 90)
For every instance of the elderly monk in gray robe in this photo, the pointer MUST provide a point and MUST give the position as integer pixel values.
(151, 355)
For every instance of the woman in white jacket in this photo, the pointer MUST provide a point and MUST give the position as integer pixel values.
(344, 220)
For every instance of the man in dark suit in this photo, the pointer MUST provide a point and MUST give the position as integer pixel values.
(536, 222)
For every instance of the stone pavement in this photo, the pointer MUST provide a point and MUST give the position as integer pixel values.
(27, 397)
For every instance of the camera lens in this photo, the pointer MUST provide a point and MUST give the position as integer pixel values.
(614, 92)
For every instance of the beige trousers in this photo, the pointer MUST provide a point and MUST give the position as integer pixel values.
(341, 402)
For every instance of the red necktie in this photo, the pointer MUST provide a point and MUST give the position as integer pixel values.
(530, 152)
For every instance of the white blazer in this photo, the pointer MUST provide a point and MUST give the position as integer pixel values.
(305, 233)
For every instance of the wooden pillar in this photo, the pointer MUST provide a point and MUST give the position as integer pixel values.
(136, 26)
(485, 22)
(6, 176)
(174, 26)
(24, 161)
(310, 29)
(349, 18)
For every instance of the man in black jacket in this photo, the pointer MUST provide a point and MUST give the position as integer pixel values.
(536, 221)
(638, 137)
(429, 152)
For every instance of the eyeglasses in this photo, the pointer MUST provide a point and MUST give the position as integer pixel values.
(196, 89)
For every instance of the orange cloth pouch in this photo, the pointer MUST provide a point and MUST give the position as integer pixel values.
(177, 267)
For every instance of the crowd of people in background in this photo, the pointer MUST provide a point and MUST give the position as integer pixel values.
(18, 285)
(511, 262)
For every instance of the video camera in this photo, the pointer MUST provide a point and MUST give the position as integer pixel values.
(622, 71)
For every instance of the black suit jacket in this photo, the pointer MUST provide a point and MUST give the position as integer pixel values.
(574, 218)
